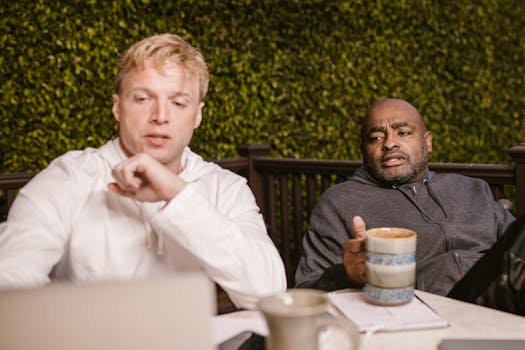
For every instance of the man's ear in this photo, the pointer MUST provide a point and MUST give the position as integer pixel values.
(428, 141)
(198, 117)
(116, 107)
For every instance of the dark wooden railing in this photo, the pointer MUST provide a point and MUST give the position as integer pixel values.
(286, 190)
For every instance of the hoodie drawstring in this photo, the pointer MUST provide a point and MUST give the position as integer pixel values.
(430, 192)
(434, 197)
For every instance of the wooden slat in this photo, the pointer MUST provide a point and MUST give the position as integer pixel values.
(271, 218)
(311, 196)
(326, 182)
(285, 224)
(298, 223)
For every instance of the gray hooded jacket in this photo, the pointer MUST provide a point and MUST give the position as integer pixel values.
(455, 217)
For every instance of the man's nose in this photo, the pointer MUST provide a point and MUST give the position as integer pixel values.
(159, 114)
(390, 142)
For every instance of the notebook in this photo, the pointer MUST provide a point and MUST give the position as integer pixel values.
(373, 318)
(162, 314)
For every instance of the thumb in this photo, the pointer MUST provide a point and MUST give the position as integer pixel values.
(359, 227)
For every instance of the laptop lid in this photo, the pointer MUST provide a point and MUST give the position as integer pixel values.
(162, 314)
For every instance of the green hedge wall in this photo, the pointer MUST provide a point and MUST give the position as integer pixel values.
(297, 75)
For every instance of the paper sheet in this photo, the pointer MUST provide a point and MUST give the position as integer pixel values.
(225, 327)
(372, 318)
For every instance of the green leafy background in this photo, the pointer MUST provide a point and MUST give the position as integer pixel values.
(297, 75)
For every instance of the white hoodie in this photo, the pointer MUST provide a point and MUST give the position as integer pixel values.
(66, 224)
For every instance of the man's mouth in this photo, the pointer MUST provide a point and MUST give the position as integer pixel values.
(157, 139)
(393, 159)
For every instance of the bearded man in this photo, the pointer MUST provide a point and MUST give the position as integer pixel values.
(467, 243)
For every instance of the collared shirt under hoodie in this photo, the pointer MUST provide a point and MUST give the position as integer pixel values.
(66, 224)
(455, 217)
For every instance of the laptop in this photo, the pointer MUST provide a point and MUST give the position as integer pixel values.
(162, 314)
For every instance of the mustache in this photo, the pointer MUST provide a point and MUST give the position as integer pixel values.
(394, 154)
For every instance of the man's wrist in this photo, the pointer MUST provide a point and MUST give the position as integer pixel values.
(341, 278)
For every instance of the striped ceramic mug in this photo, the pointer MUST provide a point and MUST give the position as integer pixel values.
(390, 265)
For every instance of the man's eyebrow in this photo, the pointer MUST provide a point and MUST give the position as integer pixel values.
(382, 128)
(138, 88)
(149, 91)
(181, 94)
(376, 129)
(399, 125)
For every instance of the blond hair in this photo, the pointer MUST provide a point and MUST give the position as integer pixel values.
(164, 48)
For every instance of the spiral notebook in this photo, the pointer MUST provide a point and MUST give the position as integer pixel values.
(371, 318)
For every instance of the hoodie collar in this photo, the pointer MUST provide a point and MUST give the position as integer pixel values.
(362, 175)
(112, 153)
(193, 166)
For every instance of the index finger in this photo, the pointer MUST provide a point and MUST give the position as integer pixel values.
(126, 176)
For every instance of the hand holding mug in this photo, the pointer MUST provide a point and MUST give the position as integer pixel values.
(354, 253)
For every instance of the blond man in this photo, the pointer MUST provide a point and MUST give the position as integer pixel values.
(143, 204)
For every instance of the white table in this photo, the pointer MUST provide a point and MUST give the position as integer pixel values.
(466, 321)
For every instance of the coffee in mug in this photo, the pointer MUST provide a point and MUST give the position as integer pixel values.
(390, 265)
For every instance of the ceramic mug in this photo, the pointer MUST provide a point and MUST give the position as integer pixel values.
(390, 265)
(296, 318)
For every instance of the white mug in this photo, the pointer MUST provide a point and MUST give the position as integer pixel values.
(296, 317)
(390, 265)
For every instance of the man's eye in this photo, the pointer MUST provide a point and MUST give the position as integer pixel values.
(374, 138)
(403, 133)
(141, 98)
(179, 103)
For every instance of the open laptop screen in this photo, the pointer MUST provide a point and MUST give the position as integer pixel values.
(162, 314)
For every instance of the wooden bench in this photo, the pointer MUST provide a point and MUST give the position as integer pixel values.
(286, 190)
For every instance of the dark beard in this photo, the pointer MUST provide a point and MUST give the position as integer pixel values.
(399, 179)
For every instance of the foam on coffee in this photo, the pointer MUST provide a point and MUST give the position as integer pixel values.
(390, 232)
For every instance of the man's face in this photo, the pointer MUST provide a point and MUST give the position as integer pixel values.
(396, 143)
(158, 112)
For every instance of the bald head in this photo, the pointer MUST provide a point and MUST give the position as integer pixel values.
(383, 108)
(395, 142)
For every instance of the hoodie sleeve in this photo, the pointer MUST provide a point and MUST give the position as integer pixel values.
(321, 264)
(219, 223)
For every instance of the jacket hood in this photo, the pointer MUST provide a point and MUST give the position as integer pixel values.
(362, 175)
(193, 166)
